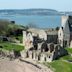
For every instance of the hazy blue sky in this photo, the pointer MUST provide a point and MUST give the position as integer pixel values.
(61, 5)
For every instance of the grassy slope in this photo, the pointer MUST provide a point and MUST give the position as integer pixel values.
(9, 46)
(60, 66)
(69, 50)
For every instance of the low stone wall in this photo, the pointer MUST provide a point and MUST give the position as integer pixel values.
(6, 53)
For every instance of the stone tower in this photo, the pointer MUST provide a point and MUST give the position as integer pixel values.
(70, 27)
(64, 32)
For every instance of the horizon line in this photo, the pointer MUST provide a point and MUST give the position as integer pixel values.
(33, 8)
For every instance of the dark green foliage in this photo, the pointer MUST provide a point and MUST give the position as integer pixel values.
(9, 29)
(57, 28)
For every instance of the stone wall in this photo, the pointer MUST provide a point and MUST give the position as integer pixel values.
(54, 51)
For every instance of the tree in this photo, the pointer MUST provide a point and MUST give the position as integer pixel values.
(57, 28)
(3, 26)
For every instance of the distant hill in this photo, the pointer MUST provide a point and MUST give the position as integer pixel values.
(30, 12)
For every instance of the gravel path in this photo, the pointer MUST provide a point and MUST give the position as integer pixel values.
(17, 66)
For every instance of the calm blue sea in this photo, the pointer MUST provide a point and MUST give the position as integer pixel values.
(40, 21)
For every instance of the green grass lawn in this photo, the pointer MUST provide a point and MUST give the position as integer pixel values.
(60, 66)
(67, 57)
(9, 46)
(69, 50)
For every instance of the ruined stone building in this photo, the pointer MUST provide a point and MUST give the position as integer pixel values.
(41, 45)
(48, 44)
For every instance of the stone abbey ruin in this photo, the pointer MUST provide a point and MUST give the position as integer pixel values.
(48, 45)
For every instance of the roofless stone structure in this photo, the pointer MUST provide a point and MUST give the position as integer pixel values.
(48, 45)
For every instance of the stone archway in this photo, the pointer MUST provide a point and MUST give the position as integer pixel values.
(51, 47)
(44, 47)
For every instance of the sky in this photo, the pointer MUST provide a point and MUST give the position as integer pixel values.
(60, 5)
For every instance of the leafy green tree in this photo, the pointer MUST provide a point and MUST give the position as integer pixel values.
(4, 26)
